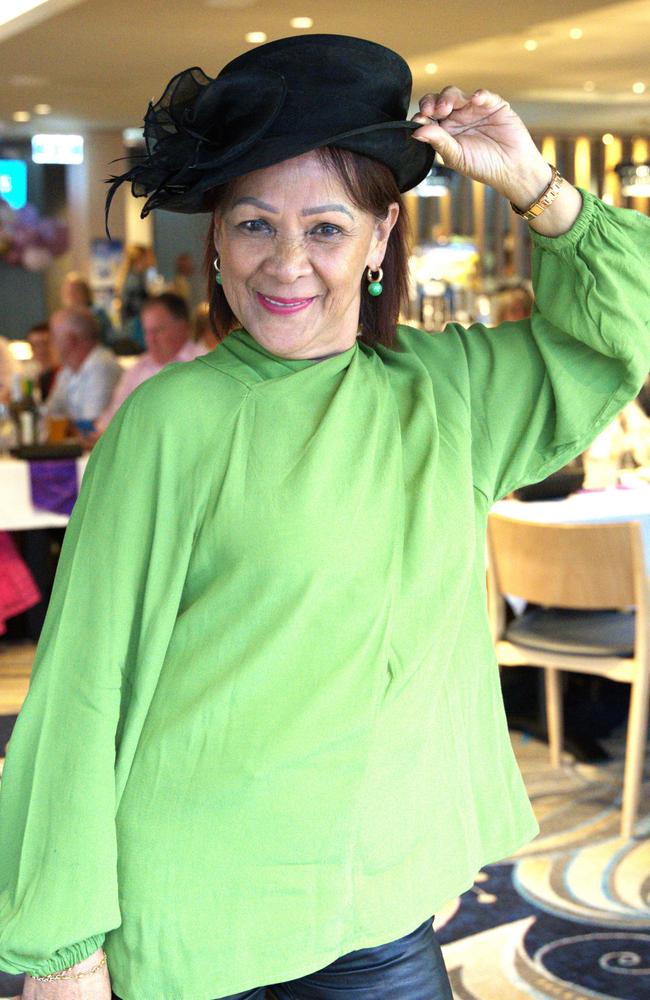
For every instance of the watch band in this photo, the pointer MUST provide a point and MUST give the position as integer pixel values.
(546, 198)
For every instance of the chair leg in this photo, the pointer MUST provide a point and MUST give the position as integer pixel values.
(554, 722)
(637, 730)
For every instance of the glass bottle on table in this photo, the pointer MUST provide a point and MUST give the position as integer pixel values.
(24, 411)
(7, 431)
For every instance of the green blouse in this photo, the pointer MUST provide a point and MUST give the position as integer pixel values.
(264, 726)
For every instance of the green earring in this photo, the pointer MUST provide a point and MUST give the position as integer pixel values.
(217, 267)
(375, 286)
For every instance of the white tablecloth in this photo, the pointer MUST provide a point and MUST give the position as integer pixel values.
(597, 507)
(16, 510)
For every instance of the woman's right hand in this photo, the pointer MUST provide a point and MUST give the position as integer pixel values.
(94, 987)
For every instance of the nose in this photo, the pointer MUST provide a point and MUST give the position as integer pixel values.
(287, 260)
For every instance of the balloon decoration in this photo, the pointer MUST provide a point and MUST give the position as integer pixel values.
(28, 240)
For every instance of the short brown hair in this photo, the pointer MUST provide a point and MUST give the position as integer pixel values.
(175, 305)
(371, 186)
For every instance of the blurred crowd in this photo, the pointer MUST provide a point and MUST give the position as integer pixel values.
(85, 362)
(83, 365)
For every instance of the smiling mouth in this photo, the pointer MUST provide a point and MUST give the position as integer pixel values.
(277, 304)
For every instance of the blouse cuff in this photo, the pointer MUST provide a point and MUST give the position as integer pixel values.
(65, 957)
(567, 241)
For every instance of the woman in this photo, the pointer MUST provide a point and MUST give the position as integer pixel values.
(133, 288)
(264, 732)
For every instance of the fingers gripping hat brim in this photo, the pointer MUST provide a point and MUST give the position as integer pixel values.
(270, 104)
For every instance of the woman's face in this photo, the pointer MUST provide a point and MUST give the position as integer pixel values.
(293, 250)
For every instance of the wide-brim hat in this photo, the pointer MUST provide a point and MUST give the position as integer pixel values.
(270, 104)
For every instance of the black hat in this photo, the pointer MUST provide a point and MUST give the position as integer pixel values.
(270, 104)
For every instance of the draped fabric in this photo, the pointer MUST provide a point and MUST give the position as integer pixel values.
(264, 726)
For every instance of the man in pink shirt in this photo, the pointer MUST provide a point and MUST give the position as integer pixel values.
(167, 333)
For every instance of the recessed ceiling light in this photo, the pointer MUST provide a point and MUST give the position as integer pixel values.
(302, 22)
(255, 37)
(26, 80)
(589, 85)
(14, 8)
(42, 109)
(608, 139)
(576, 33)
(530, 44)
(639, 87)
(431, 68)
(21, 116)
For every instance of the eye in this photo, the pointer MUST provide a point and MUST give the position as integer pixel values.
(326, 229)
(255, 226)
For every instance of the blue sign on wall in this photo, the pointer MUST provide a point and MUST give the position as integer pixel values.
(13, 182)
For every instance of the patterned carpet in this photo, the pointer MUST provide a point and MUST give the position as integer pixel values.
(569, 916)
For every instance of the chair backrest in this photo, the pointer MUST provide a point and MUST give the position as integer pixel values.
(588, 566)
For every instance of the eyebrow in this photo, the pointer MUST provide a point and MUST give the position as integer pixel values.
(316, 210)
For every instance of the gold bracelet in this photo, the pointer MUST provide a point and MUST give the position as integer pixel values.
(546, 198)
(73, 975)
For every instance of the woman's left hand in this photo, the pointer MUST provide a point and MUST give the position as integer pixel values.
(480, 136)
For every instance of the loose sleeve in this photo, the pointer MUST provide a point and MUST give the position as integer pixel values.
(542, 389)
(111, 614)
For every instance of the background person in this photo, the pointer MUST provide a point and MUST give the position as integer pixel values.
(45, 358)
(183, 271)
(133, 287)
(76, 293)
(512, 305)
(89, 371)
(167, 333)
(268, 645)
(202, 331)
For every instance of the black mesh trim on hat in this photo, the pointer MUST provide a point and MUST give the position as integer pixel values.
(199, 124)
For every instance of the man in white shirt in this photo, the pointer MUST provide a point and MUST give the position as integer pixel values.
(167, 332)
(90, 372)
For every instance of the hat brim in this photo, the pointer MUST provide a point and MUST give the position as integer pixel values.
(388, 142)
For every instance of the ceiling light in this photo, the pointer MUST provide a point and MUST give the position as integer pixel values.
(589, 85)
(639, 87)
(21, 116)
(255, 37)
(431, 68)
(530, 44)
(14, 8)
(42, 109)
(302, 22)
(26, 80)
(608, 139)
(576, 33)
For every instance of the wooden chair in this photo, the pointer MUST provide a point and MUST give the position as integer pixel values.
(592, 582)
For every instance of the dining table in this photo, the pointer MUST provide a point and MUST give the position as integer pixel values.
(17, 510)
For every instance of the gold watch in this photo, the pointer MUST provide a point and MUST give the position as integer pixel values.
(546, 198)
